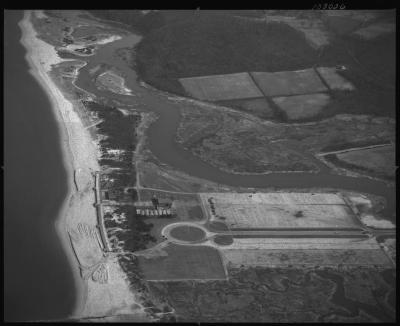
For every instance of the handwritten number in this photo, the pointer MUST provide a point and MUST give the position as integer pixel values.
(330, 6)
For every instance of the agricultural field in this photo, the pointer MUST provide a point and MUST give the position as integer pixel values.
(184, 262)
(302, 106)
(259, 294)
(298, 91)
(303, 244)
(380, 160)
(334, 80)
(207, 43)
(280, 210)
(284, 216)
(221, 87)
(288, 82)
(217, 43)
(305, 258)
(258, 107)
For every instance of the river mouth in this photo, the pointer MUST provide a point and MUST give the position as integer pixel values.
(161, 136)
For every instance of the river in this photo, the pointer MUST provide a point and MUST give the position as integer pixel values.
(162, 133)
(38, 280)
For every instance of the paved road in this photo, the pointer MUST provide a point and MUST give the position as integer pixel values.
(316, 233)
(300, 233)
(353, 149)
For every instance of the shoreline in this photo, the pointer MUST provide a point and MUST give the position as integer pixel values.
(94, 299)
(58, 103)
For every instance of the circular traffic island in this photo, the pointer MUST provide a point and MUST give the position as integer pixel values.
(223, 240)
(216, 226)
(187, 233)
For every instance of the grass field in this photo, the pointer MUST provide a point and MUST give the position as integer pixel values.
(300, 107)
(184, 263)
(334, 80)
(276, 198)
(258, 107)
(304, 244)
(221, 87)
(308, 257)
(281, 210)
(187, 233)
(285, 216)
(289, 82)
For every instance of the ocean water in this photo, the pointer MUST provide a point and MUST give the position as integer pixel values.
(38, 282)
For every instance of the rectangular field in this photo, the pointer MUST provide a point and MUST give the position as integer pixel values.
(334, 80)
(280, 210)
(221, 87)
(307, 257)
(302, 106)
(258, 106)
(289, 82)
(275, 198)
(184, 263)
(302, 243)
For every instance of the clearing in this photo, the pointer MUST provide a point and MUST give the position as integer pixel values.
(302, 106)
(334, 80)
(279, 210)
(221, 87)
(187, 233)
(184, 263)
(305, 252)
(289, 82)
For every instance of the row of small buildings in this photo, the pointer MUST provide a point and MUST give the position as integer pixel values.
(155, 207)
(153, 212)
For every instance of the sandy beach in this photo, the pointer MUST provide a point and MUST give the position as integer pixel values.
(94, 299)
